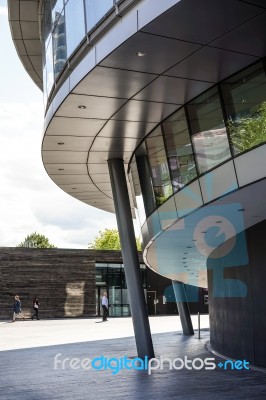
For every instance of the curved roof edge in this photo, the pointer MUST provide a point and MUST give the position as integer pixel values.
(24, 25)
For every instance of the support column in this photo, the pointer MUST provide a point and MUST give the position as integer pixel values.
(130, 259)
(182, 306)
(146, 184)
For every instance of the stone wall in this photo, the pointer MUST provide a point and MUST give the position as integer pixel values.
(64, 280)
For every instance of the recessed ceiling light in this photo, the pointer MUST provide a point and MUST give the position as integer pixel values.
(141, 54)
(61, 169)
(82, 107)
(60, 143)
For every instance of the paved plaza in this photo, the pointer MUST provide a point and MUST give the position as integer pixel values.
(28, 351)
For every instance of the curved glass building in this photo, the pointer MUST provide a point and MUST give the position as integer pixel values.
(157, 110)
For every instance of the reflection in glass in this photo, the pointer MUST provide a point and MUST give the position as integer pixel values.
(208, 129)
(159, 167)
(45, 93)
(245, 102)
(66, 20)
(115, 295)
(137, 194)
(179, 150)
(46, 21)
(59, 44)
(74, 11)
(96, 10)
(57, 9)
(49, 66)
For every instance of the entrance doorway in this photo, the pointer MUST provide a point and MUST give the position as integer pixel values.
(99, 291)
(151, 302)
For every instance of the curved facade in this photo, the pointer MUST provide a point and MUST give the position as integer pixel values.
(62, 35)
(176, 92)
(213, 128)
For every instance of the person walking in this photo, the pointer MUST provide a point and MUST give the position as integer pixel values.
(35, 305)
(17, 309)
(105, 307)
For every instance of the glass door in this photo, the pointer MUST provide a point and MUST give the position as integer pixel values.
(99, 294)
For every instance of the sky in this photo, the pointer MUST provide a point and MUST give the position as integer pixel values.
(29, 200)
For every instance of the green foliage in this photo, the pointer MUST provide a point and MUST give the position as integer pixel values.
(36, 240)
(162, 193)
(249, 131)
(109, 240)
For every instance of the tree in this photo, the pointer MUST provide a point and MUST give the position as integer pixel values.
(36, 240)
(109, 240)
(247, 132)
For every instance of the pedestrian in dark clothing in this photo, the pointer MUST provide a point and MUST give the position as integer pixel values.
(35, 306)
(17, 309)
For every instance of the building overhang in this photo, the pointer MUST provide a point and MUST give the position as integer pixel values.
(115, 97)
(24, 19)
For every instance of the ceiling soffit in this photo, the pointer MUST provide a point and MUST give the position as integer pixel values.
(125, 96)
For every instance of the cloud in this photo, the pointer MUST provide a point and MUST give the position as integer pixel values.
(3, 11)
(29, 200)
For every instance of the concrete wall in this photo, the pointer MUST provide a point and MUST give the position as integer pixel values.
(238, 324)
(64, 280)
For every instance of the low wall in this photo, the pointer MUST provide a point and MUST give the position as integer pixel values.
(64, 280)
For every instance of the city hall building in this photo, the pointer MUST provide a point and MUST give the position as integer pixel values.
(156, 110)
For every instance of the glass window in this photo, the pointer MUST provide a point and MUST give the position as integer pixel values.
(47, 21)
(159, 168)
(49, 66)
(115, 295)
(137, 193)
(114, 275)
(45, 94)
(179, 150)
(101, 275)
(59, 44)
(208, 129)
(57, 9)
(244, 96)
(96, 10)
(143, 277)
(125, 299)
(75, 24)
